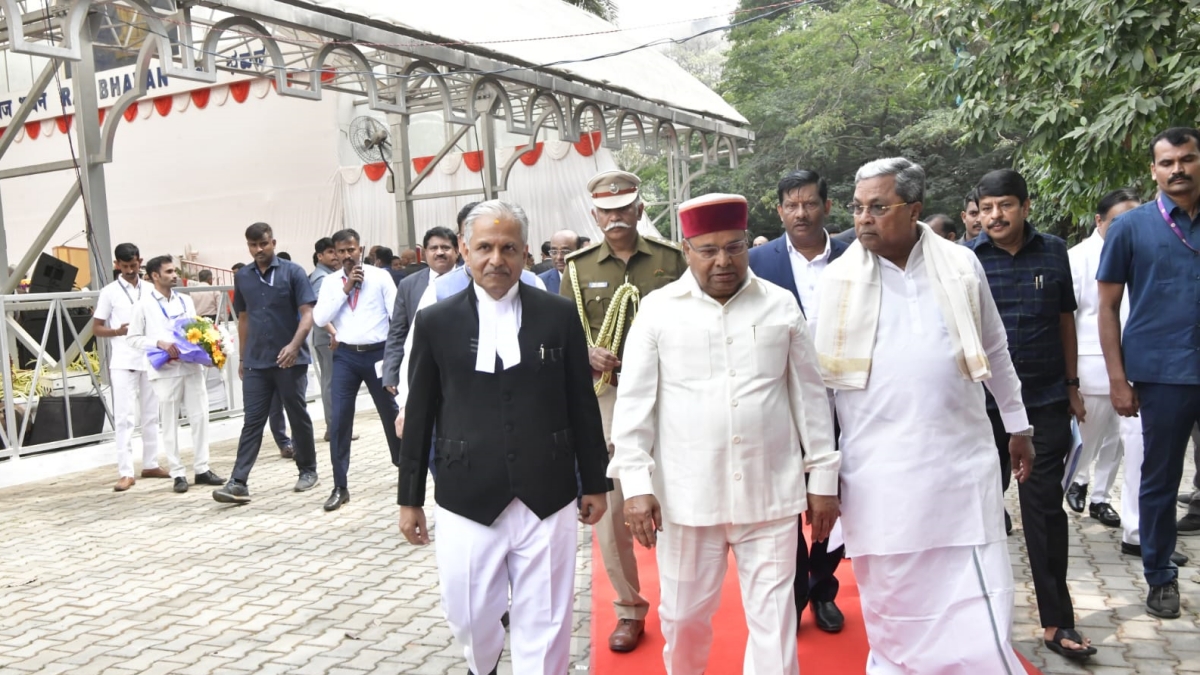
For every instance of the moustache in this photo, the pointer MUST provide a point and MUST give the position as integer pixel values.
(1180, 178)
(616, 225)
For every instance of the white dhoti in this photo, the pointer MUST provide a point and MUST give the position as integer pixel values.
(692, 562)
(478, 564)
(946, 611)
(190, 390)
(1131, 437)
(1102, 445)
(131, 390)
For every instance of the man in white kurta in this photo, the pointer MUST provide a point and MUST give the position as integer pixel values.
(906, 335)
(1100, 430)
(720, 413)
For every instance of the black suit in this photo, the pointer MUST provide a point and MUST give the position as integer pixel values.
(512, 434)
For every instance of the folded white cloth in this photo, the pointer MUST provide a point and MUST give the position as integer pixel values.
(850, 296)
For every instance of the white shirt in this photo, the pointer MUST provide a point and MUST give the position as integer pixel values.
(807, 274)
(366, 323)
(154, 320)
(1085, 260)
(919, 468)
(115, 308)
(499, 324)
(721, 409)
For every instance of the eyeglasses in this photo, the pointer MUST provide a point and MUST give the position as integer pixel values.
(442, 248)
(792, 207)
(876, 210)
(733, 249)
(555, 252)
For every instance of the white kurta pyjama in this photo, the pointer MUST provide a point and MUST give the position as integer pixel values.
(1100, 432)
(715, 405)
(921, 504)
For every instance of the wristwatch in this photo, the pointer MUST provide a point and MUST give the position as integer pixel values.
(1027, 432)
(1072, 382)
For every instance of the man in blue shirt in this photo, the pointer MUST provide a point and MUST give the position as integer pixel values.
(273, 299)
(1030, 277)
(1155, 251)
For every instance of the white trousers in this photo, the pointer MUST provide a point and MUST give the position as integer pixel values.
(692, 562)
(1102, 445)
(191, 390)
(477, 567)
(131, 390)
(1135, 448)
(946, 611)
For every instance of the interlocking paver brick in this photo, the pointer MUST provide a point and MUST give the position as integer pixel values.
(280, 586)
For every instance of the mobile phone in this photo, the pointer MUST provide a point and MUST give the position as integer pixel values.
(358, 284)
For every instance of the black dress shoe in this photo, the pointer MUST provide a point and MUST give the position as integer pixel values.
(1104, 513)
(1076, 495)
(208, 478)
(829, 617)
(338, 497)
(1136, 551)
(1185, 498)
(491, 673)
(1007, 524)
(180, 485)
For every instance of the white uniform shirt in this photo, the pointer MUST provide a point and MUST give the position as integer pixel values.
(154, 320)
(1085, 260)
(919, 468)
(716, 403)
(367, 322)
(115, 308)
(807, 274)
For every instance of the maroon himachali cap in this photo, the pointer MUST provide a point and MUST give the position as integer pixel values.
(713, 213)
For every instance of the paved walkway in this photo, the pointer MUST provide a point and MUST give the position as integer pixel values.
(152, 582)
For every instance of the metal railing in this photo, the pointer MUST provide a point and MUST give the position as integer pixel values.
(55, 394)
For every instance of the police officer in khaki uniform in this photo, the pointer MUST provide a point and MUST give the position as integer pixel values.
(606, 280)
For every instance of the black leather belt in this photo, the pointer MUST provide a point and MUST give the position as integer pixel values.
(362, 348)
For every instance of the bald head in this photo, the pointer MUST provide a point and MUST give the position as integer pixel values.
(562, 244)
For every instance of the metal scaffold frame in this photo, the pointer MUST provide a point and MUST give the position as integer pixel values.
(306, 51)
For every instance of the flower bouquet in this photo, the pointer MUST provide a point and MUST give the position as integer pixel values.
(198, 341)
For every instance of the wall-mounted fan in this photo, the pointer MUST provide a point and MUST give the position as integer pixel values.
(370, 139)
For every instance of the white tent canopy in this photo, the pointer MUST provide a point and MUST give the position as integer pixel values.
(534, 32)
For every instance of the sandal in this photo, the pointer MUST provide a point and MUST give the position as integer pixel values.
(1056, 645)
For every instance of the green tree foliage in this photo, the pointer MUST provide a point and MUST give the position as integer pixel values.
(830, 87)
(605, 9)
(1080, 86)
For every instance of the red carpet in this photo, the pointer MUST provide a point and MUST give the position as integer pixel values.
(820, 653)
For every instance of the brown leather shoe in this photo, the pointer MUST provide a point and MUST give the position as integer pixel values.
(124, 484)
(157, 472)
(625, 636)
